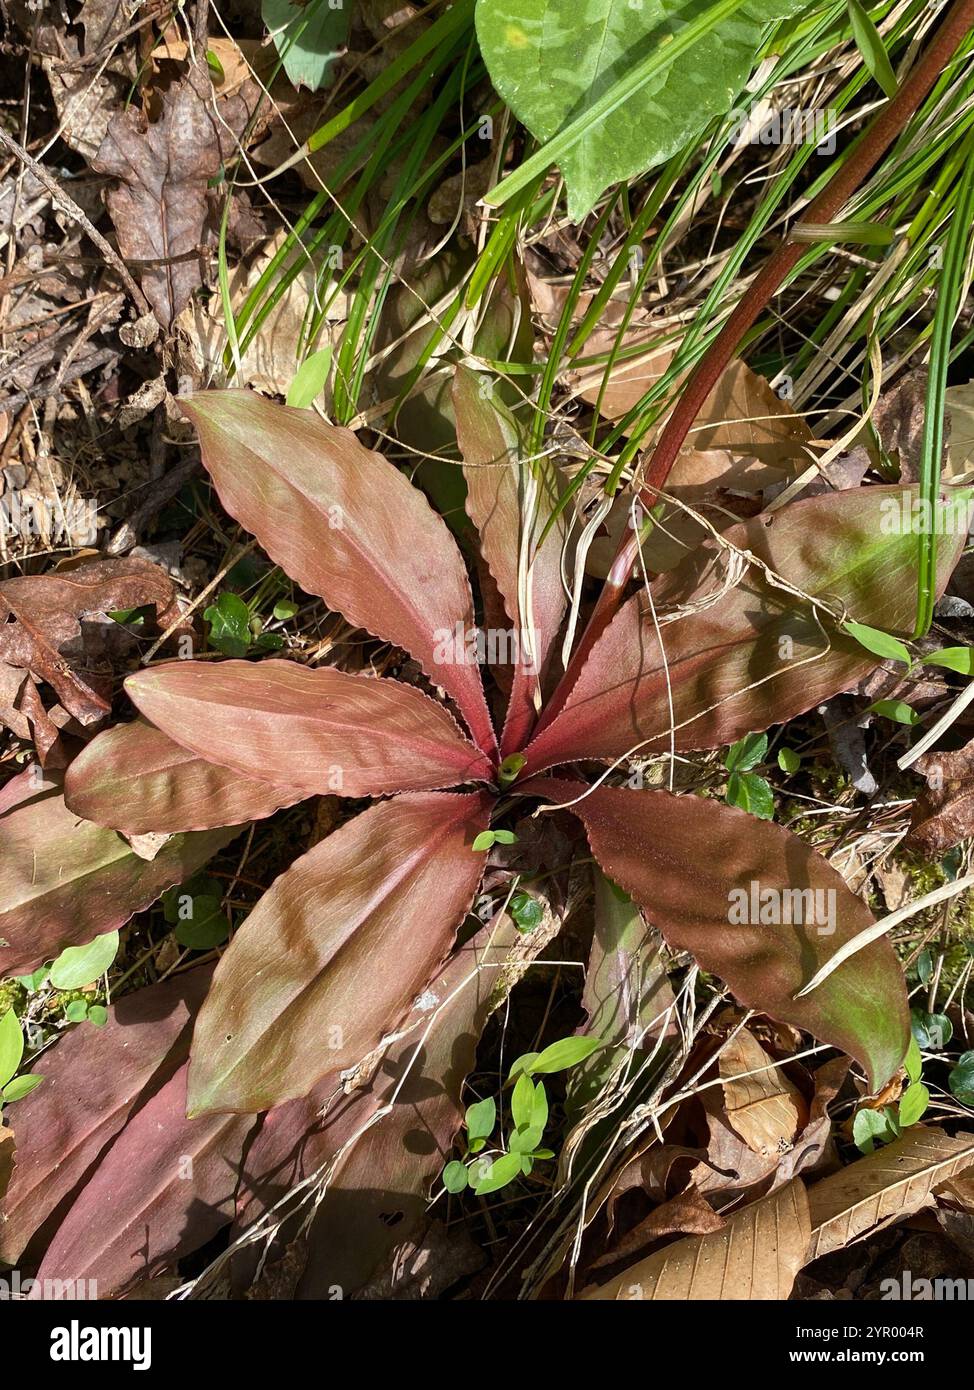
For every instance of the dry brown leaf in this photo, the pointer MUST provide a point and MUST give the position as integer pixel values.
(943, 813)
(764, 1107)
(685, 1214)
(756, 1256)
(885, 1186)
(6, 1157)
(239, 59)
(959, 417)
(51, 629)
(160, 205)
(958, 1191)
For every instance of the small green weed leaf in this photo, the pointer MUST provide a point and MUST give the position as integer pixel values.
(229, 620)
(871, 1127)
(879, 643)
(11, 1046)
(98, 1015)
(311, 377)
(20, 1086)
(480, 1119)
(788, 760)
(204, 924)
(284, 609)
(961, 1079)
(455, 1177)
(76, 1011)
(567, 1052)
(913, 1104)
(746, 753)
(32, 983)
(751, 793)
(604, 66)
(959, 659)
(522, 1065)
(897, 710)
(932, 1031)
(526, 911)
(491, 1175)
(872, 48)
(522, 1101)
(913, 1062)
(214, 65)
(308, 37)
(82, 965)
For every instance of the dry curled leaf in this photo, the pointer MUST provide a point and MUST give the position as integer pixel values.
(755, 1256)
(887, 1185)
(943, 813)
(160, 206)
(52, 630)
(762, 1105)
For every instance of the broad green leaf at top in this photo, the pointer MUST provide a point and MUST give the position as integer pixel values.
(309, 37)
(553, 60)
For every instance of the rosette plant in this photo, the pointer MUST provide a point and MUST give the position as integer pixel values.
(742, 635)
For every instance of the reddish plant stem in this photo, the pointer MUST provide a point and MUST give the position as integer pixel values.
(887, 125)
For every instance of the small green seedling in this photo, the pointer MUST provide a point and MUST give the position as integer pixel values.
(744, 787)
(489, 1171)
(235, 631)
(488, 838)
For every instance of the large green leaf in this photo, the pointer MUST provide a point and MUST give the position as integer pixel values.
(755, 905)
(744, 651)
(553, 60)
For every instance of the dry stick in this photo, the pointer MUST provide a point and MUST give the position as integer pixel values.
(878, 929)
(824, 209)
(77, 214)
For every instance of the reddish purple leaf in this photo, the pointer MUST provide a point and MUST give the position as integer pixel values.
(94, 1080)
(135, 779)
(321, 731)
(510, 508)
(165, 1187)
(757, 655)
(64, 880)
(378, 1193)
(696, 867)
(33, 782)
(336, 950)
(345, 524)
